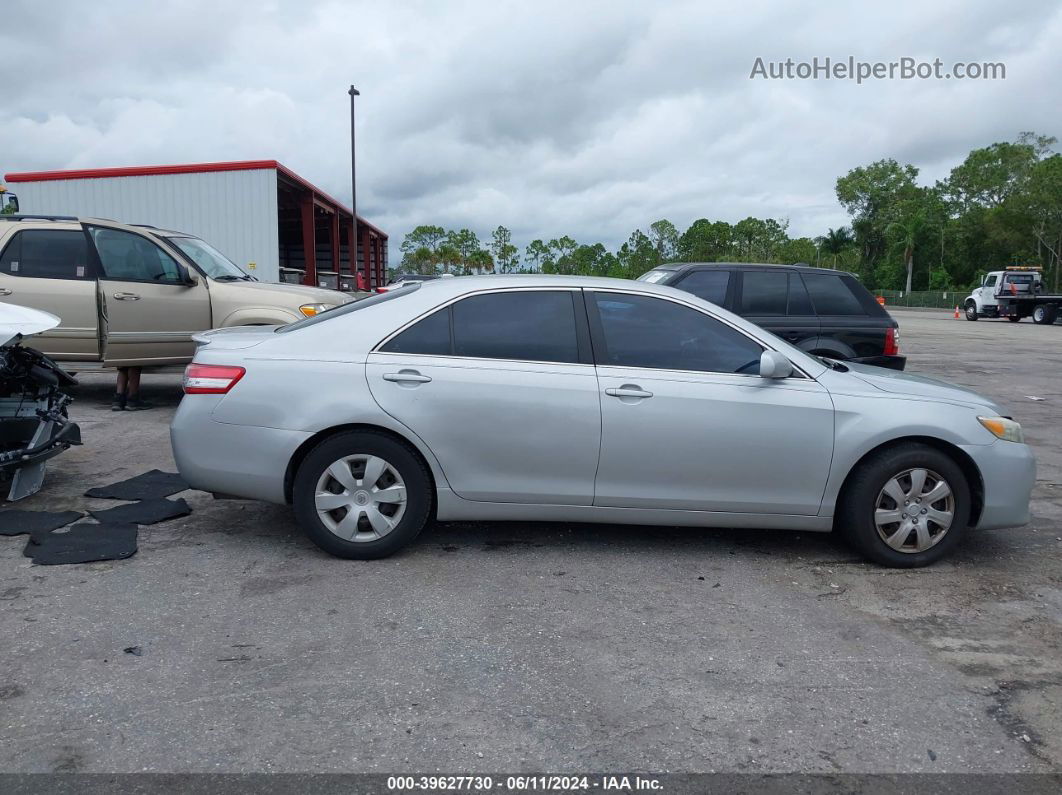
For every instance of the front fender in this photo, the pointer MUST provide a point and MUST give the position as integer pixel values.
(259, 316)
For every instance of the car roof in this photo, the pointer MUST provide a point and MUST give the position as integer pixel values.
(70, 221)
(798, 266)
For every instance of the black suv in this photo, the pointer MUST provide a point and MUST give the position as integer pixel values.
(824, 312)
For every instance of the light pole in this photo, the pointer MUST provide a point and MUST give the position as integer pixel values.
(353, 160)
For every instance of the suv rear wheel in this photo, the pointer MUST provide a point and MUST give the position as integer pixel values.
(905, 507)
(362, 495)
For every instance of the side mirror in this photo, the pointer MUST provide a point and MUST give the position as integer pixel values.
(775, 365)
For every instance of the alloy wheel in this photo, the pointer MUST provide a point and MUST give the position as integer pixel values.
(360, 498)
(914, 510)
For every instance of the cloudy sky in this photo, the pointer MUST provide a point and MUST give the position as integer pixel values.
(581, 118)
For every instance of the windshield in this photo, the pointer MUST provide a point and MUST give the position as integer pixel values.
(209, 260)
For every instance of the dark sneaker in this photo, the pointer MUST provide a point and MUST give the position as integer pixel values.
(136, 404)
(118, 403)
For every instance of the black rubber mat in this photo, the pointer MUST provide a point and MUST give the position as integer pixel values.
(16, 522)
(143, 512)
(83, 543)
(153, 485)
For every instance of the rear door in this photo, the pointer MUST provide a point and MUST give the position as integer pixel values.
(151, 312)
(50, 269)
(778, 301)
(501, 387)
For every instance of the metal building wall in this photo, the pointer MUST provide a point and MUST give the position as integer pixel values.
(234, 211)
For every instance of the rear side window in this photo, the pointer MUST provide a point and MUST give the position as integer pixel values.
(708, 284)
(428, 337)
(640, 331)
(47, 254)
(529, 325)
(764, 292)
(799, 301)
(831, 296)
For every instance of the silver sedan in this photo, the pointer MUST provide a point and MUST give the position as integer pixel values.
(579, 399)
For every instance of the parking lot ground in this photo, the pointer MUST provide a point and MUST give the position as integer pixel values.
(531, 647)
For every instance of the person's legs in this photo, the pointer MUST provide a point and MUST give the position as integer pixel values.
(121, 390)
(134, 403)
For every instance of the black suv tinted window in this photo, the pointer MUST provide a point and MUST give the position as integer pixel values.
(764, 292)
(707, 284)
(799, 302)
(528, 325)
(430, 336)
(47, 254)
(640, 331)
(831, 295)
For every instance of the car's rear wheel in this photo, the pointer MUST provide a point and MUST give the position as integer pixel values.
(971, 310)
(362, 495)
(906, 506)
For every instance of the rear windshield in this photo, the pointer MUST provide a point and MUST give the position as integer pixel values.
(653, 277)
(346, 309)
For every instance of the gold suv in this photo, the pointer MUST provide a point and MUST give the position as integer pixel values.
(135, 295)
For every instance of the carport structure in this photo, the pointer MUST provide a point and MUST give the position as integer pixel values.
(261, 214)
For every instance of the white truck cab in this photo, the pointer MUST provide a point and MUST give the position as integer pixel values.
(1018, 280)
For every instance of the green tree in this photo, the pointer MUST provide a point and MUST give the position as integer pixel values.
(665, 239)
(538, 254)
(747, 234)
(561, 250)
(870, 195)
(506, 255)
(706, 241)
(835, 243)
(905, 231)
(422, 239)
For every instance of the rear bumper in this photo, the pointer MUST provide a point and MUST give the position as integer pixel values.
(883, 360)
(1008, 472)
(236, 460)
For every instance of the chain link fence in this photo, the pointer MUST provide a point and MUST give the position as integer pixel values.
(936, 299)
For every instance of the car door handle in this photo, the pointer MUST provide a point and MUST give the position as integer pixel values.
(4, 291)
(127, 296)
(628, 391)
(407, 376)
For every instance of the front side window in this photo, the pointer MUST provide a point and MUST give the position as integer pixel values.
(525, 325)
(47, 254)
(125, 256)
(764, 293)
(708, 284)
(641, 331)
(210, 261)
(831, 295)
(991, 281)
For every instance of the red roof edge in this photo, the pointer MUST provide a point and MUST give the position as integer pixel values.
(184, 168)
(141, 171)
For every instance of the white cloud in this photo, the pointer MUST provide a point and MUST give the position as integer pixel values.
(588, 119)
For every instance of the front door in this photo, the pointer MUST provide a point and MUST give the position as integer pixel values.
(501, 387)
(151, 312)
(50, 269)
(687, 423)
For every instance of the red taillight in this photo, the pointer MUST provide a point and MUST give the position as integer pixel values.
(210, 379)
(892, 342)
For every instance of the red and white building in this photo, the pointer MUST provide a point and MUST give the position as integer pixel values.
(263, 216)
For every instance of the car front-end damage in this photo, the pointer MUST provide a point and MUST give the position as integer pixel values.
(34, 425)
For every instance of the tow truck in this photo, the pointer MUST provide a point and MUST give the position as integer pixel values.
(1013, 293)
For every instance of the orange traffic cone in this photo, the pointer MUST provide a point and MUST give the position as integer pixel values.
(956, 313)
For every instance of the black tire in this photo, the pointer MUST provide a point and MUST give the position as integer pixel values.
(971, 310)
(1013, 318)
(855, 511)
(1045, 314)
(398, 455)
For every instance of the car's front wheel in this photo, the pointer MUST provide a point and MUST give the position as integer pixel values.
(362, 495)
(906, 506)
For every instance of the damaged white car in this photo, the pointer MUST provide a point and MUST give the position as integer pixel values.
(34, 425)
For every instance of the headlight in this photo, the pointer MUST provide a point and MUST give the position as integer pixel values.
(314, 309)
(1003, 428)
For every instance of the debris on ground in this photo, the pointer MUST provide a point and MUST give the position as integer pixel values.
(16, 522)
(82, 543)
(136, 651)
(143, 512)
(153, 485)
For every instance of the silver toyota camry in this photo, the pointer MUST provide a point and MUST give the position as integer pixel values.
(579, 399)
